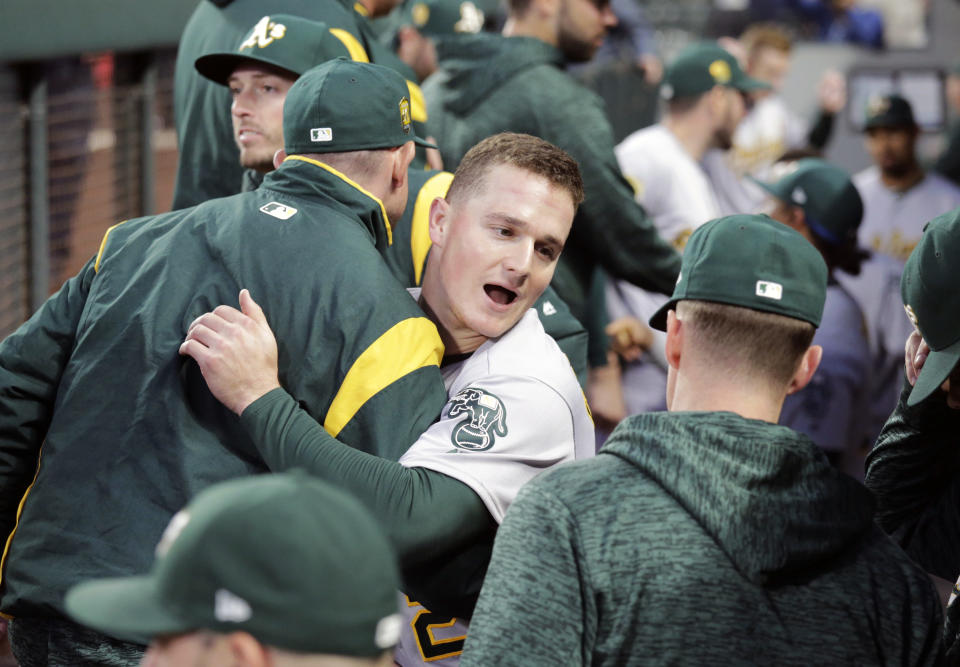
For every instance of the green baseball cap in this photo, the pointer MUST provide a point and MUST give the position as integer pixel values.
(751, 261)
(288, 558)
(888, 111)
(343, 105)
(931, 297)
(701, 66)
(290, 43)
(829, 199)
(438, 18)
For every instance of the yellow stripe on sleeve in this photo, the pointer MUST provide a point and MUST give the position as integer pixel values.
(353, 45)
(418, 106)
(437, 186)
(405, 347)
(6, 547)
(103, 245)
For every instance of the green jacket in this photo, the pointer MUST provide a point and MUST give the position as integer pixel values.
(489, 84)
(209, 162)
(130, 433)
(700, 538)
(913, 473)
(407, 258)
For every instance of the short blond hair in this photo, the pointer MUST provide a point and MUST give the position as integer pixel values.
(766, 35)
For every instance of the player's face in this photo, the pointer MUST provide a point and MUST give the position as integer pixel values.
(193, 649)
(733, 110)
(257, 113)
(891, 148)
(581, 27)
(770, 65)
(495, 250)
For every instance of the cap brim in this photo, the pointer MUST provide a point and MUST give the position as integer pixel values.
(423, 142)
(935, 371)
(748, 84)
(219, 66)
(659, 319)
(124, 607)
(769, 188)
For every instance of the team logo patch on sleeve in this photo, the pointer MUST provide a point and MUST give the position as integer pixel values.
(484, 419)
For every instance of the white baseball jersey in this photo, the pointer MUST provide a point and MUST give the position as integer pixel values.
(515, 409)
(893, 221)
(678, 197)
(670, 184)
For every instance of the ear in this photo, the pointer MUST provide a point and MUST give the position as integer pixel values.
(247, 651)
(439, 220)
(545, 9)
(279, 157)
(805, 370)
(402, 157)
(674, 345)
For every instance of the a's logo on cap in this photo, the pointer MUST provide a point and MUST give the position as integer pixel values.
(321, 134)
(720, 71)
(230, 608)
(420, 14)
(878, 104)
(912, 315)
(405, 114)
(471, 19)
(799, 196)
(264, 33)
(171, 532)
(278, 210)
(769, 290)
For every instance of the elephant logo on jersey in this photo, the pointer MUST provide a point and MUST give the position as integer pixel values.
(484, 419)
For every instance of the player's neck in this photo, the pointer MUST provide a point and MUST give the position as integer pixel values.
(456, 338)
(708, 395)
(902, 180)
(689, 132)
(529, 27)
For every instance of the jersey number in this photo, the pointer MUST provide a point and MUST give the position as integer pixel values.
(430, 647)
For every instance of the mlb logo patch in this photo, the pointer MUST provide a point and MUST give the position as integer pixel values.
(769, 290)
(278, 210)
(321, 134)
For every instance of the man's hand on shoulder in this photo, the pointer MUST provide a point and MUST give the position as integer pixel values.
(236, 352)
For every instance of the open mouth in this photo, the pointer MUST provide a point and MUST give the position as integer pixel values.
(500, 295)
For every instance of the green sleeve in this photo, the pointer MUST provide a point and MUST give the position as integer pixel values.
(820, 130)
(914, 474)
(426, 514)
(615, 228)
(32, 361)
(536, 607)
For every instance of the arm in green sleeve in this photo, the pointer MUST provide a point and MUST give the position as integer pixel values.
(820, 130)
(913, 473)
(426, 514)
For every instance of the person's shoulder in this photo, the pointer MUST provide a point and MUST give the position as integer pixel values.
(942, 185)
(867, 178)
(528, 350)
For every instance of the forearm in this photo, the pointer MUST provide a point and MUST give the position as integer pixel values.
(820, 130)
(426, 514)
(912, 472)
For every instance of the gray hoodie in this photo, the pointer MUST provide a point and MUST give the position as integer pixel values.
(700, 538)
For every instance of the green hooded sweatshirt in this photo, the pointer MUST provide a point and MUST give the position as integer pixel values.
(700, 538)
(489, 84)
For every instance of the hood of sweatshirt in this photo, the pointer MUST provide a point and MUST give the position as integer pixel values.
(476, 65)
(765, 493)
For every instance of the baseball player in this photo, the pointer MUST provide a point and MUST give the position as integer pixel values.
(514, 406)
(709, 534)
(208, 166)
(259, 76)
(899, 196)
(127, 430)
(705, 91)
(818, 200)
(256, 572)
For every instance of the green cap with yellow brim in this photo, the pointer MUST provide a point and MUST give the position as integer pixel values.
(343, 106)
(287, 558)
(281, 41)
(754, 262)
(931, 297)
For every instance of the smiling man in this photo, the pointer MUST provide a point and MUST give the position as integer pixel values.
(514, 409)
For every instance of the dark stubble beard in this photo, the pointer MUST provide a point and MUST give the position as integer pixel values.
(575, 50)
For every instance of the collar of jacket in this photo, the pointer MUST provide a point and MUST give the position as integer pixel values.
(307, 177)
